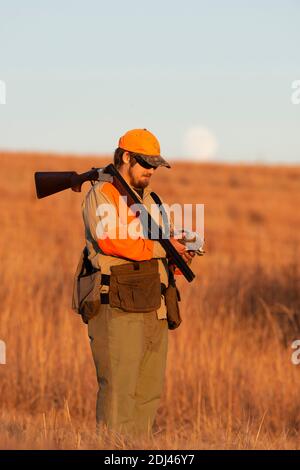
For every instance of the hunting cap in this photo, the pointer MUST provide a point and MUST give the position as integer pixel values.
(145, 144)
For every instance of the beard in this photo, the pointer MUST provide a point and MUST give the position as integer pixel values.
(141, 182)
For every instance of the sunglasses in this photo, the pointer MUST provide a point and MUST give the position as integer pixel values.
(142, 162)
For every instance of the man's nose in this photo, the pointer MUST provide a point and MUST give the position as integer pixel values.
(151, 170)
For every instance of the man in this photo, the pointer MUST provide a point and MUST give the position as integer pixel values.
(129, 348)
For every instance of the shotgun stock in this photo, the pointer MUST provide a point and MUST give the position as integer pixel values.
(51, 182)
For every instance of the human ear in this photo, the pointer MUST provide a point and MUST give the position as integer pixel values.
(126, 157)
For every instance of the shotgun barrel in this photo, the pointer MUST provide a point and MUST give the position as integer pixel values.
(125, 190)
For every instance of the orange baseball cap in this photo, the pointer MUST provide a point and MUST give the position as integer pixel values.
(145, 144)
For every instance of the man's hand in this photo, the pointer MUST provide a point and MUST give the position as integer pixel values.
(186, 255)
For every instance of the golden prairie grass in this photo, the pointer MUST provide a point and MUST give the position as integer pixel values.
(230, 383)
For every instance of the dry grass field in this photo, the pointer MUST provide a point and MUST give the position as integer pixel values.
(230, 382)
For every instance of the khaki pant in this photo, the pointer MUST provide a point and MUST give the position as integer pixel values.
(130, 352)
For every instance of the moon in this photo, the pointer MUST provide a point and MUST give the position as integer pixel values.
(200, 143)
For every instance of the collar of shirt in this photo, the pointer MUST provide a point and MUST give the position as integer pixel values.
(142, 192)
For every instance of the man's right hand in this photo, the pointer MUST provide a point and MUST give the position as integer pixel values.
(186, 255)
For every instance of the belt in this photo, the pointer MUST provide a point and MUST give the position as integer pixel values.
(105, 281)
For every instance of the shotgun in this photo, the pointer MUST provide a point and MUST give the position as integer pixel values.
(48, 183)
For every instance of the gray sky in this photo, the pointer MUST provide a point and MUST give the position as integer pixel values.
(210, 79)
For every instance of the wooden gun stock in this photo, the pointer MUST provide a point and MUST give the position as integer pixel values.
(51, 182)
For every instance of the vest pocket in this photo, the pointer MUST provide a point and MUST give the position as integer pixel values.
(137, 290)
(89, 297)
